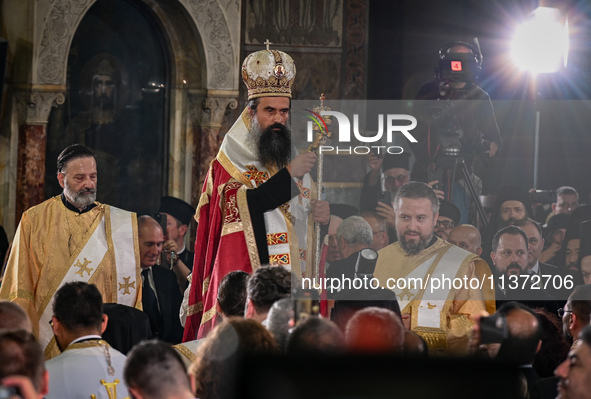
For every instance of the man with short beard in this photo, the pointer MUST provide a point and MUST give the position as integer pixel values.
(512, 204)
(257, 201)
(419, 254)
(72, 237)
(510, 248)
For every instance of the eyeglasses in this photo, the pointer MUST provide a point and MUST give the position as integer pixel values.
(399, 178)
(447, 224)
(378, 232)
(562, 311)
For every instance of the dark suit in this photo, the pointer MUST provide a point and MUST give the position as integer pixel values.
(169, 300)
(547, 269)
(127, 327)
(348, 301)
(533, 382)
(187, 258)
(560, 295)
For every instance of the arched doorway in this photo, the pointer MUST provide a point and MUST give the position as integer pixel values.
(118, 82)
(200, 41)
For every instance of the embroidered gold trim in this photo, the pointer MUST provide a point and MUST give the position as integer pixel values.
(22, 294)
(232, 228)
(232, 169)
(205, 286)
(109, 255)
(253, 253)
(194, 309)
(279, 259)
(138, 269)
(205, 195)
(245, 115)
(185, 351)
(277, 238)
(436, 339)
(207, 316)
(93, 343)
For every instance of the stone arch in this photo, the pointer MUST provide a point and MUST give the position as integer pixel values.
(212, 26)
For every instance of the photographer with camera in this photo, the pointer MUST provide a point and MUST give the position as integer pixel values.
(452, 131)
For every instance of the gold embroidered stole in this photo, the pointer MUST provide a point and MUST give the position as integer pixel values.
(110, 242)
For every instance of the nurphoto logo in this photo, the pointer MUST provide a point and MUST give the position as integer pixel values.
(394, 123)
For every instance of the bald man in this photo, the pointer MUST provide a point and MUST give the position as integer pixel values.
(522, 343)
(467, 237)
(161, 297)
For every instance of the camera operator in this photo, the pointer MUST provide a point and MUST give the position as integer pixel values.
(453, 128)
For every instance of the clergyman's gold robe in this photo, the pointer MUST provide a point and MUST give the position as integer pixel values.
(456, 306)
(48, 240)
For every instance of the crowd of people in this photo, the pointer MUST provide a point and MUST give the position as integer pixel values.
(99, 302)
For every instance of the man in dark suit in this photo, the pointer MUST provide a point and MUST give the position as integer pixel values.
(178, 219)
(161, 297)
(353, 235)
(510, 248)
(533, 230)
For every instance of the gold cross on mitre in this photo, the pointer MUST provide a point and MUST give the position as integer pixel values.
(83, 267)
(126, 285)
(267, 43)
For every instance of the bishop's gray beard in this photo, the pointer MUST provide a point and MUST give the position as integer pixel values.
(80, 199)
(273, 145)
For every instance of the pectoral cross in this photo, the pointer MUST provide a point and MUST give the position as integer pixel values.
(267, 43)
(83, 267)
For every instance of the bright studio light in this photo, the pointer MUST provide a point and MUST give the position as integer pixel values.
(540, 44)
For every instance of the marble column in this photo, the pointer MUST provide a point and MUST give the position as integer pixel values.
(34, 105)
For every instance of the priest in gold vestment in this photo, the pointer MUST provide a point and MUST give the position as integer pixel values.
(72, 237)
(415, 267)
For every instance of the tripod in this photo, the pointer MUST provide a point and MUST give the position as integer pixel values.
(447, 164)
